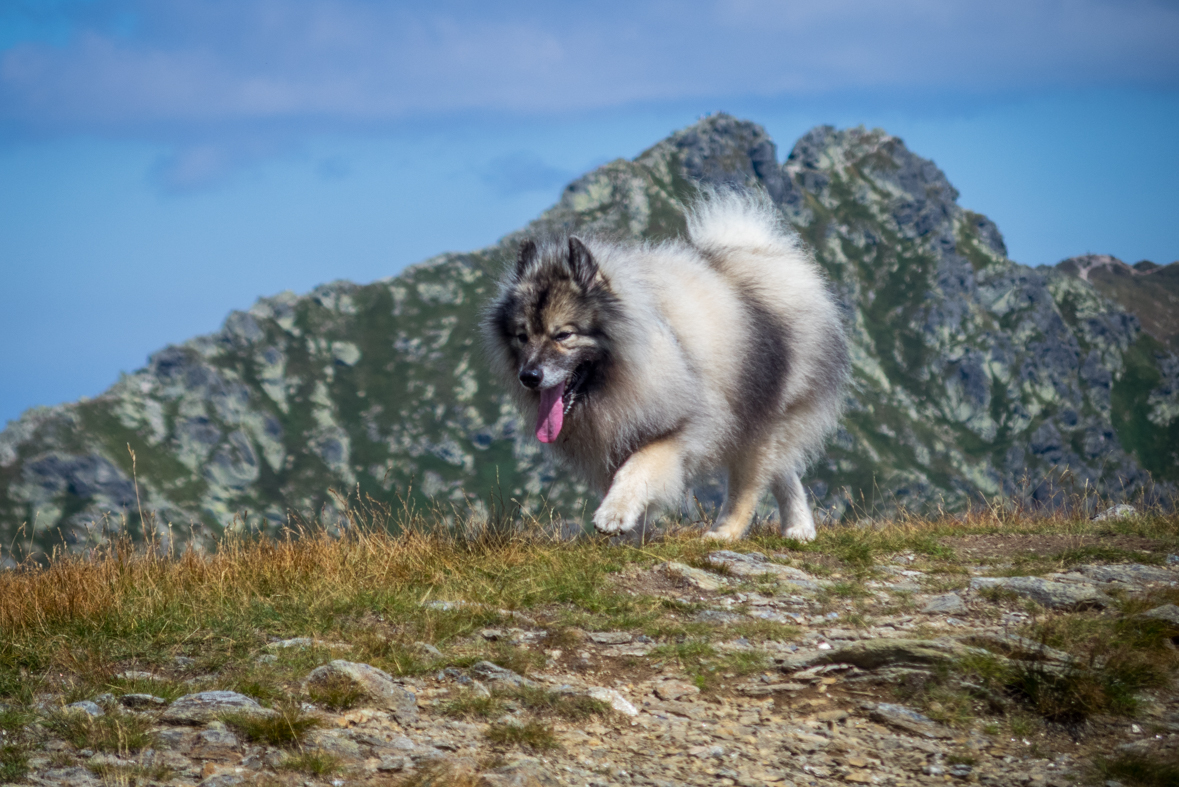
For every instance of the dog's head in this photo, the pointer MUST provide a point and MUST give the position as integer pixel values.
(551, 324)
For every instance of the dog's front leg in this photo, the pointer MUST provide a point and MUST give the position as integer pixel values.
(653, 474)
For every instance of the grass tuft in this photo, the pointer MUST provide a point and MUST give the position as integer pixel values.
(336, 692)
(312, 761)
(287, 727)
(122, 733)
(533, 734)
(1141, 769)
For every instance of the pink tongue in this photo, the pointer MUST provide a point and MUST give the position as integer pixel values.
(551, 415)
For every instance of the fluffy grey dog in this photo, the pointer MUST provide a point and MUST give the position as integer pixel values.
(648, 365)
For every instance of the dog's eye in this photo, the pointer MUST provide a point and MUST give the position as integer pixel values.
(562, 336)
(522, 338)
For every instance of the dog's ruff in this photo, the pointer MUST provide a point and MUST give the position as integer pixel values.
(646, 366)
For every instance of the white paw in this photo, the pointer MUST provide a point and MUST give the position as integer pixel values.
(718, 535)
(610, 520)
(803, 534)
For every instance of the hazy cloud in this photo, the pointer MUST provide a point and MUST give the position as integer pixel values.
(148, 66)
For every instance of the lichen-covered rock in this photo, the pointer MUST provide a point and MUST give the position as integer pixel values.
(973, 376)
(206, 706)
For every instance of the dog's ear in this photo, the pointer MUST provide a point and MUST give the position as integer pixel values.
(582, 263)
(527, 257)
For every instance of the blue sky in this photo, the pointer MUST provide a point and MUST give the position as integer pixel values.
(165, 161)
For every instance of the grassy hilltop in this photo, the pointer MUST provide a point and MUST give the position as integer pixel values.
(1002, 648)
(973, 376)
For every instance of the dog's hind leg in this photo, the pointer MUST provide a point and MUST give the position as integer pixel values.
(747, 483)
(652, 476)
(795, 512)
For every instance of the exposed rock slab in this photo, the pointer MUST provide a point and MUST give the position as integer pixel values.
(1053, 595)
(206, 706)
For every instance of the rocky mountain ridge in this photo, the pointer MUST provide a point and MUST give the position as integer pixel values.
(974, 376)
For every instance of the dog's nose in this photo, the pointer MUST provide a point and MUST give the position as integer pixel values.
(531, 377)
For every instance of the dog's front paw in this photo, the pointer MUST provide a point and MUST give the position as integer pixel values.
(719, 535)
(612, 520)
(802, 533)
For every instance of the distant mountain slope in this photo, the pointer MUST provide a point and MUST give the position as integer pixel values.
(1146, 290)
(973, 376)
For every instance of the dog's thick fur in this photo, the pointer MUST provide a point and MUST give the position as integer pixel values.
(650, 365)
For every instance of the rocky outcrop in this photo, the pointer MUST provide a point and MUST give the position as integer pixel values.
(974, 376)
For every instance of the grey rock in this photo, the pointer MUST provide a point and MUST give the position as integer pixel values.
(610, 637)
(426, 650)
(393, 763)
(223, 780)
(697, 577)
(874, 654)
(206, 706)
(614, 699)
(945, 604)
(909, 720)
(755, 564)
(142, 701)
(1129, 573)
(216, 736)
(525, 773)
(1016, 647)
(717, 616)
(85, 706)
(377, 685)
(493, 673)
(73, 777)
(1053, 595)
(1119, 511)
(335, 743)
(1167, 612)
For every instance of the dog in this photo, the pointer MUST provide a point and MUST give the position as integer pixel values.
(648, 365)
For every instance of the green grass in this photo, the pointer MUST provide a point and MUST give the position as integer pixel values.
(537, 700)
(1141, 769)
(121, 733)
(14, 762)
(312, 761)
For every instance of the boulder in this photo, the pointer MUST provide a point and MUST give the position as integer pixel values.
(377, 686)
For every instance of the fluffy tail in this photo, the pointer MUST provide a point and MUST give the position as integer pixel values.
(731, 219)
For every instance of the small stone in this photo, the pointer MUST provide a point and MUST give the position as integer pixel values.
(961, 771)
(1167, 612)
(376, 684)
(614, 699)
(493, 635)
(85, 706)
(1120, 511)
(393, 764)
(945, 604)
(135, 675)
(217, 736)
(909, 720)
(493, 673)
(717, 617)
(671, 690)
(427, 650)
(142, 701)
(610, 637)
(859, 777)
